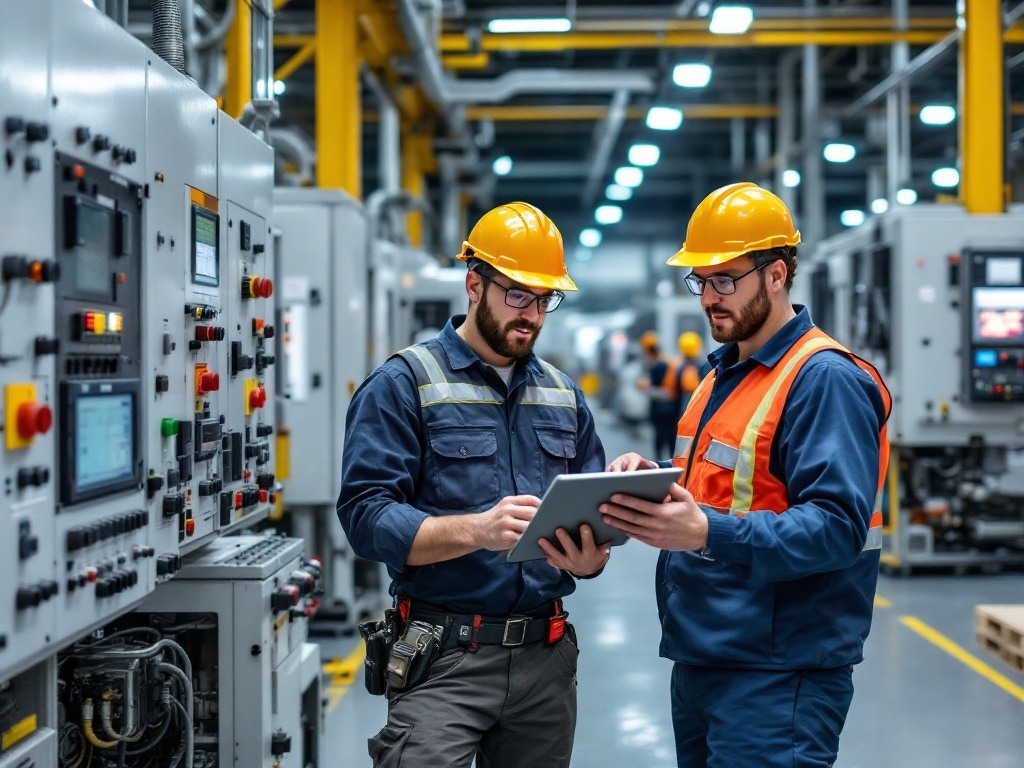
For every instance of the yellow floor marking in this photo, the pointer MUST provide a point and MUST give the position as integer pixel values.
(339, 674)
(963, 656)
(882, 602)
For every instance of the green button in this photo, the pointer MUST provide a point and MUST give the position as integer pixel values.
(168, 427)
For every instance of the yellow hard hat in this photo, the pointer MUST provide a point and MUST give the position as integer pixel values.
(648, 340)
(689, 344)
(523, 244)
(734, 220)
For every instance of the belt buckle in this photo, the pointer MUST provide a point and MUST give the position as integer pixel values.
(521, 623)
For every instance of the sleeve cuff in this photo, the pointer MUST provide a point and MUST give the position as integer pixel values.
(394, 538)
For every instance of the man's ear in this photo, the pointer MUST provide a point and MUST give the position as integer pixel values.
(474, 286)
(777, 273)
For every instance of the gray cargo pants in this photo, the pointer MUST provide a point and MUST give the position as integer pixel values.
(510, 707)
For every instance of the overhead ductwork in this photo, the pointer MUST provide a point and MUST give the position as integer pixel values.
(167, 39)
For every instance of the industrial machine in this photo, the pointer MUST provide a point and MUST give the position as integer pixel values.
(137, 368)
(934, 298)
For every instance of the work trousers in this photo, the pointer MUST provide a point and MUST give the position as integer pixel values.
(726, 718)
(510, 707)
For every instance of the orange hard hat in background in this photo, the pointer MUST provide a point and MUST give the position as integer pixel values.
(690, 344)
(522, 243)
(648, 340)
(734, 220)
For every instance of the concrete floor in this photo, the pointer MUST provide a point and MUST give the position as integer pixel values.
(927, 695)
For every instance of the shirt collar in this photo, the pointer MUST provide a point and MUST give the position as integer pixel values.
(773, 350)
(461, 355)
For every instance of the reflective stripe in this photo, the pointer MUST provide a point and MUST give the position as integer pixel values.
(874, 539)
(721, 454)
(743, 478)
(682, 449)
(559, 396)
(435, 394)
(432, 368)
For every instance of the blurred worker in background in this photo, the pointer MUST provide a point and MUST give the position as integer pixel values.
(690, 368)
(448, 447)
(661, 389)
(771, 538)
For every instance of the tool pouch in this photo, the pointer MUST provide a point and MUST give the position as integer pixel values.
(379, 637)
(413, 654)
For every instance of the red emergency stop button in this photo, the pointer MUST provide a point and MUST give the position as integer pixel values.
(208, 382)
(257, 397)
(34, 419)
(190, 526)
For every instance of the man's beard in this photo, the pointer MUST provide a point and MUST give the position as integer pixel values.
(497, 336)
(751, 317)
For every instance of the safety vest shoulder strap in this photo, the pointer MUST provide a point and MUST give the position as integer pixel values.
(433, 385)
(558, 394)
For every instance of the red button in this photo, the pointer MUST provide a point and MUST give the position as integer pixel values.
(190, 526)
(34, 419)
(238, 499)
(209, 382)
(263, 495)
(257, 397)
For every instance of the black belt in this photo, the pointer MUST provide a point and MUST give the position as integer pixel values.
(512, 631)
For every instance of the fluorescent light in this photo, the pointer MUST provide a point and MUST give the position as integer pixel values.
(628, 176)
(279, 87)
(590, 237)
(608, 214)
(731, 20)
(790, 178)
(879, 205)
(618, 192)
(514, 26)
(502, 166)
(691, 75)
(937, 114)
(851, 218)
(906, 196)
(664, 118)
(946, 177)
(837, 152)
(644, 154)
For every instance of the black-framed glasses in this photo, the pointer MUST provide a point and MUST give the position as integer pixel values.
(723, 284)
(520, 299)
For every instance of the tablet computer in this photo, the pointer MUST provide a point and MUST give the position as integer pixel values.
(572, 500)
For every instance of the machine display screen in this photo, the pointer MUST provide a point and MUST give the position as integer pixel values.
(998, 314)
(205, 261)
(94, 237)
(104, 440)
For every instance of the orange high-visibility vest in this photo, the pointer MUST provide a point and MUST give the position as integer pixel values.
(730, 471)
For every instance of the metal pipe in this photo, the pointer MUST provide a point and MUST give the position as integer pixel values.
(812, 224)
(167, 42)
(897, 105)
(606, 134)
(389, 139)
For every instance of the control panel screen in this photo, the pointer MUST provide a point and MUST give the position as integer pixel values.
(205, 261)
(998, 314)
(94, 234)
(104, 439)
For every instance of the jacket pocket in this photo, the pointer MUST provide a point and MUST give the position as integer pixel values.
(465, 468)
(558, 447)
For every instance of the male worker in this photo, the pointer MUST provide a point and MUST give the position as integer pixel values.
(771, 538)
(448, 446)
(660, 386)
(689, 369)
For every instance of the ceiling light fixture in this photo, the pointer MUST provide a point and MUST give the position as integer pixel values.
(523, 26)
(664, 118)
(590, 237)
(946, 177)
(618, 192)
(691, 75)
(644, 154)
(628, 176)
(879, 205)
(279, 87)
(838, 152)
(731, 19)
(906, 196)
(608, 214)
(502, 166)
(790, 178)
(937, 114)
(851, 218)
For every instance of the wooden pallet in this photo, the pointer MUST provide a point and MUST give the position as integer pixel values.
(1000, 630)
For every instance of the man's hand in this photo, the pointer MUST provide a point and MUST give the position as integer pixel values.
(627, 462)
(580, 561)
(677, 524)
(500, 527)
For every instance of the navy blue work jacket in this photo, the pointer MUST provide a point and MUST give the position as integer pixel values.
(402, 463)
(789, 591)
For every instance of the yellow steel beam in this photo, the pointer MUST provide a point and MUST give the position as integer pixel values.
(300, 57)
(459, 43)
(238, 85)
(982, 108)
(457, 61)
(540, 113)
(338, 111)
(417, 155)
